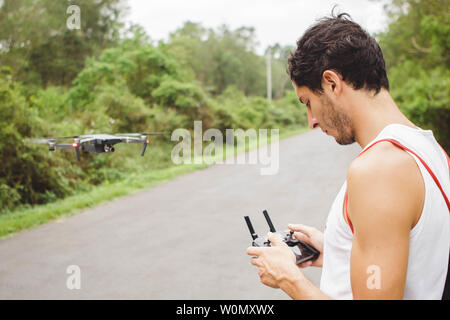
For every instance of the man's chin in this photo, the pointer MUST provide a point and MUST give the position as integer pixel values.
(343, 141)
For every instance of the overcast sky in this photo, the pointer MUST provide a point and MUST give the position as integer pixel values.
(281, 21)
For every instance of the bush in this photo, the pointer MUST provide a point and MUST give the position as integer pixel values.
(116, 110)
(185, 98)
(27, 171)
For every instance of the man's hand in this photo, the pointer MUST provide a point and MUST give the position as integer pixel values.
(311, 236)
(275, 264)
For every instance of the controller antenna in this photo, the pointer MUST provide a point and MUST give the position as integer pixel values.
(250, 228)
(269, 222)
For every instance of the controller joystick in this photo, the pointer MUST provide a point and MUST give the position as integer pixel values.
(303, 251)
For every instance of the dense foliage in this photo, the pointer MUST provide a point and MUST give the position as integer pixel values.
(417, 51)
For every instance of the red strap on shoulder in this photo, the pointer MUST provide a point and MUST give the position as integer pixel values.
(398, 144)
(346, 218)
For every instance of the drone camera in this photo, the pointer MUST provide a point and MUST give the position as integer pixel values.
(108, 148)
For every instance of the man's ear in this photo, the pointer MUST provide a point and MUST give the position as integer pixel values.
(332, 81)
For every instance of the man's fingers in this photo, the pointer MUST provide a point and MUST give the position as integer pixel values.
(256, 261)
(301, 236)
(302, 228)
(254, 251)
(276, 240)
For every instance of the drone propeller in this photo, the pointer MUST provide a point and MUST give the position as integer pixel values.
(42, 140)
(141, 134)
(77, 137)
(54, 139)
(68, 137)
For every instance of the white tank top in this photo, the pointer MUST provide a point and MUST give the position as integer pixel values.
(429, 240)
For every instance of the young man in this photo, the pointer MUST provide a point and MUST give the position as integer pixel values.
(388, 230)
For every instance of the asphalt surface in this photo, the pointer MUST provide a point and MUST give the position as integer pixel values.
(183, 239)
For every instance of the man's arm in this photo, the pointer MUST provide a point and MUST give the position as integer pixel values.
(302, 289)
(386, 195)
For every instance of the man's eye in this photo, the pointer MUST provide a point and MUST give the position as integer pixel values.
(308, 104)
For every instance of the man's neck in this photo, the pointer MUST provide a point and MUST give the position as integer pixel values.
(370, 115)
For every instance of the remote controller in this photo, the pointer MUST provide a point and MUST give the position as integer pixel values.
(303, 251)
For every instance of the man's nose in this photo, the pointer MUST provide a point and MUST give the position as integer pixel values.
(312, 121)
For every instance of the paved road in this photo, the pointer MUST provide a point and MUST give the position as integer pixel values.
(183, 239)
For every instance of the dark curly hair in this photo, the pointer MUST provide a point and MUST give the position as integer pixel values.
(339, 44)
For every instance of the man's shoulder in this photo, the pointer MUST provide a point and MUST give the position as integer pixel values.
(388, 178)
(384, 160)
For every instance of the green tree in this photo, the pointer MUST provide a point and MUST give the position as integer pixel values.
(37, 44)
(280, 78)
(134, 63)
(416, 47)
(220, 58)
(27, 174)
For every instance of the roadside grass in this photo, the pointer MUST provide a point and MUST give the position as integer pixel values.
(28, 217)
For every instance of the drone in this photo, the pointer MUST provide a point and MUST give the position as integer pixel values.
(96, 143)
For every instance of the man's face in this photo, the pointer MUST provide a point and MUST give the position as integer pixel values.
(323, 113)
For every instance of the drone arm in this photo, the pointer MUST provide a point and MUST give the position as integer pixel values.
(145, 147)
(63, 146)
(143, 140)
(70, 146)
